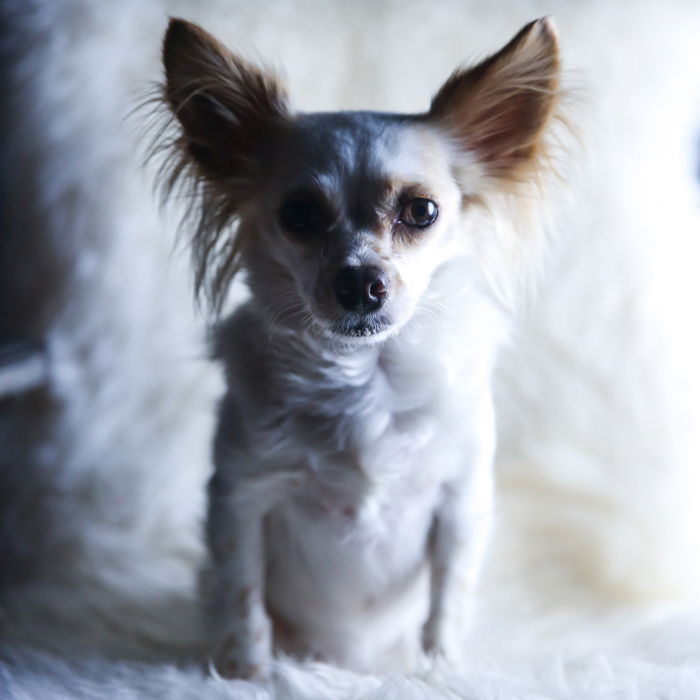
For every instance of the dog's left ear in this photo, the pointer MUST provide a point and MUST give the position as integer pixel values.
(498, 110)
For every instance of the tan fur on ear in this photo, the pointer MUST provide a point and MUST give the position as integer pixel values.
(222, 101)
(226, 108)
(499, 109)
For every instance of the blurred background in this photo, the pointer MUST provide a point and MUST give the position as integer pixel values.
(103, 462)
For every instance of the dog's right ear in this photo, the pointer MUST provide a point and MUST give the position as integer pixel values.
(228, 110)
(224, 104)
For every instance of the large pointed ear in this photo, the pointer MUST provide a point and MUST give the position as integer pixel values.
(498, 110)
(228, 111)
(223, 103)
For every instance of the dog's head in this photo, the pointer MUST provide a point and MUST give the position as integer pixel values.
(342, 218)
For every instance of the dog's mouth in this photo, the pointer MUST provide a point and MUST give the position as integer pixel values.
(364, 327)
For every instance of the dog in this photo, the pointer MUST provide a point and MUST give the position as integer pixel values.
(351, 501)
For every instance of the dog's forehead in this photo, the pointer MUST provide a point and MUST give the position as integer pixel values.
(341, 143)
(333, 149)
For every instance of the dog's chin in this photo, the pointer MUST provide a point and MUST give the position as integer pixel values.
(361, 331)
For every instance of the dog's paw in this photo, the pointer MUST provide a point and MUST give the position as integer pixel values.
(234, 668)
(250, 661)
(441, 640)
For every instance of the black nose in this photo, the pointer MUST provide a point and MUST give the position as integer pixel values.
(361, 289)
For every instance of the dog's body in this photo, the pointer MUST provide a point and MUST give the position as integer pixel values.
(350, 454)
(350, 506)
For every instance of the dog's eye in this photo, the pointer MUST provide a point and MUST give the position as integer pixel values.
(420, 213)
(303, 217)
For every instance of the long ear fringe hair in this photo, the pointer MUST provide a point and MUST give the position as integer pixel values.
(533, 195)
(209, 218)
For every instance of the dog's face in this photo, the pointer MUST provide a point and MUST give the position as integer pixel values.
(344, 217)
(355, 212)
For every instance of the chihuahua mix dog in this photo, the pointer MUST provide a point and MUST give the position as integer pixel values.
(350, 506)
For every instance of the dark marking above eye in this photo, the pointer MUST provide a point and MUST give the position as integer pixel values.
(419, 213)
(304, 216)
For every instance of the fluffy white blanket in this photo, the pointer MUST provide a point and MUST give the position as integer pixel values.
(593, 577)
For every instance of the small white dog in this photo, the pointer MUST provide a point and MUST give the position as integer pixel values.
(350, 506)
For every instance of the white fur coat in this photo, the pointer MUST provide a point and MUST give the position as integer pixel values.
(592, 579)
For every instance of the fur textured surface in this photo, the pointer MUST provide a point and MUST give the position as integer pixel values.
(103, 475)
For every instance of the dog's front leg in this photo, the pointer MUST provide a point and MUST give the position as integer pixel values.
(241, 626)
(458, 542)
